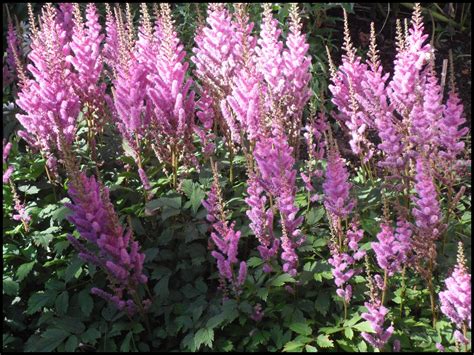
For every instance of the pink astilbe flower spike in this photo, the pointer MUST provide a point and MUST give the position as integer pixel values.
(275, 162)
(456, 298)
(13, 46)
(316, 146)
(86, 57)
(111, 47)
(336, 186)
(171, 96)
(119, 255)
(49, 100)
(376, 314)
(351, 72)
(296, 69)
(270, 58)
(226, 239)
(261, 221)
(65, 19)
(451, 133)
(408, 65)
(215, 54)
(392, 248)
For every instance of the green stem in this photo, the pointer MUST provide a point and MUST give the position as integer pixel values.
(402, 293)
(345, 310)
(449, 198)
(385, 286)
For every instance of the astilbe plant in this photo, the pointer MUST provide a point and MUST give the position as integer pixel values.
(456, 298)
(49, 100)
(172, 100)
(226, 239)
(275, 163)
(376, 315)
(117, 253)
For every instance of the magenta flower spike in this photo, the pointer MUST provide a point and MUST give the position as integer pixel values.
(269, 52)
(427, 211)
(110, 52)
(297, 67)
(451, 133)
(86, 57)
(376, 314)
(215, 52)
(392, 247)
(456, 298)
(408, 65)
(275, 162)
(170, 95)
(49, 100)
(96, 221)
(226, 239)
(336, 186)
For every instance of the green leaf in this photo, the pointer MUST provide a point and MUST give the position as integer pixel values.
(254, 262)
(314, 215)
(215, 321)
(37, 301)
(281, 280)
(204, 336)
(348, 333)
(324, 341)
(29, 189)
(62, 302)
(293, 346)
(24, 270)
(90, 335)
(10, 287)
(73, 269)
(86, 302)
(71, 344)
(371, 226)
(263, 293)
(196, 197)
(125, 347)
(364, 327)
(301, 328)
(322, 303)
(71, 324)
(51, 339)
(161, 288)
(310, 348)
(171, 202)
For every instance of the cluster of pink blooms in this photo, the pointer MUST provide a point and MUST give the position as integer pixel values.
(376, 313)
(456, 299)
(119, 255)
(6, 152)
(48, 99)
(226, 239)
(343, 261)
(393, 247)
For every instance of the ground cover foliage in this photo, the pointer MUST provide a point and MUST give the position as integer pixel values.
(233, 178)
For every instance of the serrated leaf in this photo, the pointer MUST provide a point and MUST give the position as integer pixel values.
(86, 302)
(364, 327)
(293, 346)
(322, 303)
(37, 301)
(203, 336)
(171, 202)
(71, 344)
(254, 262)
(51, 339)
(42, 239)
(215, 321)
(72, 269)
(196, 198)
(10, 287)
(348, 332)
(62, 302)
(24, 270)
(71, 324)
(310, 348)
(324, 341)
(280, 280)
(90, 335)
(29, 189)
(314, 215)
(301, 328)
